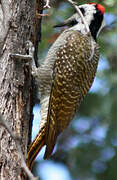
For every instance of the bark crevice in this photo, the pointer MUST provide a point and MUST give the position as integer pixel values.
(16, 26)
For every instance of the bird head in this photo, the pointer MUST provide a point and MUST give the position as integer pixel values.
(94, 16)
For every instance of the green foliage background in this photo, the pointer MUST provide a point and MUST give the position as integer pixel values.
(88, 148)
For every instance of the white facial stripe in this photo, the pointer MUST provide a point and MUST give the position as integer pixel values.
(89, 11)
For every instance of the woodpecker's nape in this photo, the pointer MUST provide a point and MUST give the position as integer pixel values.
(66, 75)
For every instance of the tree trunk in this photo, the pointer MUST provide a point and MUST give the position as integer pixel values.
(16, 26)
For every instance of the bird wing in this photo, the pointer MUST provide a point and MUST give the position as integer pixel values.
(70, 84)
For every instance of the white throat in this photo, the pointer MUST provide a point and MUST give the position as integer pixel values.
(79, 27)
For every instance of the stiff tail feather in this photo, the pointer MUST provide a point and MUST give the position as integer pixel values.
(35, 147)
(50, 141)
(49, 151)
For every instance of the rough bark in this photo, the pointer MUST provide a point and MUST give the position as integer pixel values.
(16, 26)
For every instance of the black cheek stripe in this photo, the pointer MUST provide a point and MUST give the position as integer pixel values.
(96, 24)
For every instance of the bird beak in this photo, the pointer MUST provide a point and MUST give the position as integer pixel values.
(68, 22)
(62, 24)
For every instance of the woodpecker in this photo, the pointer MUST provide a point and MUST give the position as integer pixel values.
(66, 76)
